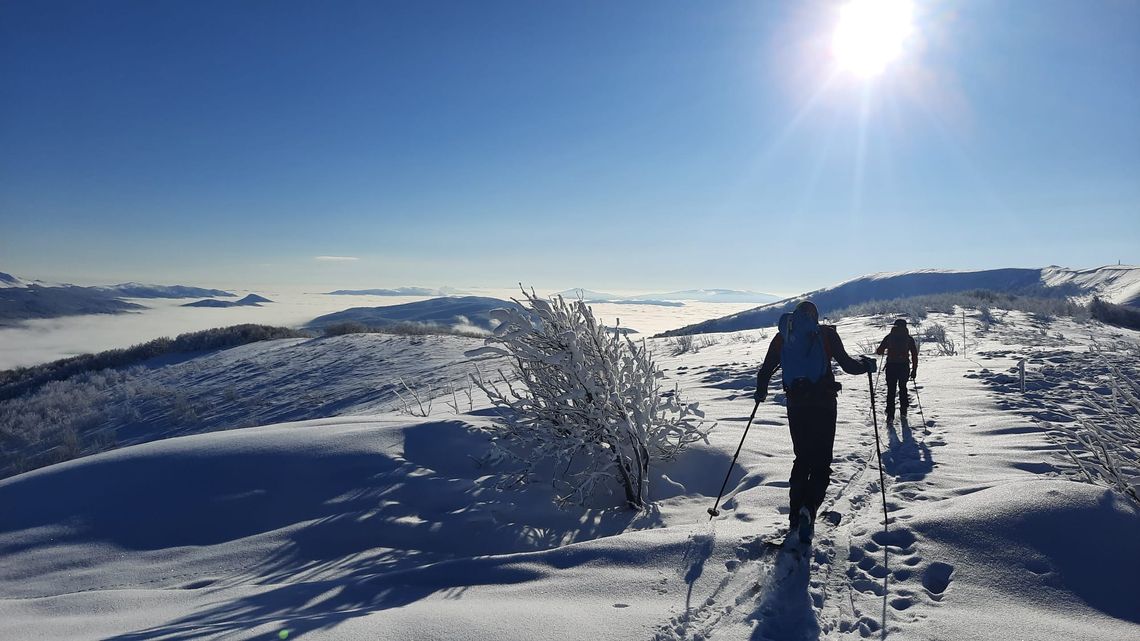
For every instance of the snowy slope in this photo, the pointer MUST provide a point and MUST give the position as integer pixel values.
(8, 280)
(256, 384)
(1116, 284)
(384, 526)
(446, 311)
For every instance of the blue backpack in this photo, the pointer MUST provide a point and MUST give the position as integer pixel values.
(804, 355)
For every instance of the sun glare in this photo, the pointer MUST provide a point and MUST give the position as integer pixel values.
(871, 34)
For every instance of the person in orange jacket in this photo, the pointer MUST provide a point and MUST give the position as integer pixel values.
(898, 345)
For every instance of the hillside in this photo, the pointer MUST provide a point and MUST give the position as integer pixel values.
(20, 303)
(450, 312)
(1117, 284)
(22, 300)
(374, 523)
(247, 301)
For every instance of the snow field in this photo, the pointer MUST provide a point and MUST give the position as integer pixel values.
(382, 525)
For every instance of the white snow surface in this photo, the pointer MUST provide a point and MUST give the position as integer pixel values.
(374, 524)
(1114, 283)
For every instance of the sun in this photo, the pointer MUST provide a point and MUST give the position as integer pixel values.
(871, 34)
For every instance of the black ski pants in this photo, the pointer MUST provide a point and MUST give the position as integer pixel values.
(897, 376)
(813, 435)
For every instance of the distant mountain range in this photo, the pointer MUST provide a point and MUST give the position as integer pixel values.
(1118, 284)
(671, 298)
(398, 291)
(253, 300)
(30, 302)
(22, 299)
(138, 290)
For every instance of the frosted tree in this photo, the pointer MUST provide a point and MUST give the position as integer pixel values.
(581, 400)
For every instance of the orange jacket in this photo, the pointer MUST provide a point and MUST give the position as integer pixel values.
(897, 346)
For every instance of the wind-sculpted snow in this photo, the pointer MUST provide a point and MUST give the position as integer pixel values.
(1118, 284)
(394, 526)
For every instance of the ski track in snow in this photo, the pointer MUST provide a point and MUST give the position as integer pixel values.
(835, 586)
(860, 580)
(977, 447)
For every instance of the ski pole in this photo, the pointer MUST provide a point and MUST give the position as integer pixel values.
(712, 510)
(878, 449)
(918, 398)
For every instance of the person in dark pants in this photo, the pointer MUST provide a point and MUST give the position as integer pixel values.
(805, 349)
(898, 345)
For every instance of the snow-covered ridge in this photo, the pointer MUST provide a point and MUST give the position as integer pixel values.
(396, 291)
(8, 280)
(141, 290)
(1115, 284)
(456, 312)
(1118, 284)
(124, 290)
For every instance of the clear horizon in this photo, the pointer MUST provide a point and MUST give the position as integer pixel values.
(493, 289)
(634, 148)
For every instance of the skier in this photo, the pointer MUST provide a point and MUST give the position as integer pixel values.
(897, 346)
(804, 349)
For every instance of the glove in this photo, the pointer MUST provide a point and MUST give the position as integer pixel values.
(913, 373)
(760, 394)
(869, 363)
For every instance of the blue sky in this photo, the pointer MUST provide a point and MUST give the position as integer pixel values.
(631, 146)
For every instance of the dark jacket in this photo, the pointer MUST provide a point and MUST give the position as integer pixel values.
(897, 346)
(827, 387)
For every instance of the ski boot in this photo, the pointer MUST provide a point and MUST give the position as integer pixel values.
(806, 525)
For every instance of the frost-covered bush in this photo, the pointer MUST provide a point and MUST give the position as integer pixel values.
(689, 343)
(65, 419)
(404, 328)
(680, 344)
(936, 333)
(1104, 427)
(1119, 315)
(1044, 302)
(582, 401)
(986, 316)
